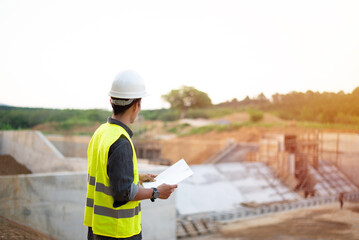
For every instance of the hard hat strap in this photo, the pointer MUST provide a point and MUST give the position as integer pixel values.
(121, 102)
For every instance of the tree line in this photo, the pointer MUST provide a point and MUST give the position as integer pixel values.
(25, 118)
(326, 107)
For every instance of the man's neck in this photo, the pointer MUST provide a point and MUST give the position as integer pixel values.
(122, 118)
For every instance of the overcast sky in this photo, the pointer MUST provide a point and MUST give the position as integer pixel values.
(65, 54)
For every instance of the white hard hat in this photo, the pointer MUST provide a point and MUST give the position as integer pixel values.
(128, 85)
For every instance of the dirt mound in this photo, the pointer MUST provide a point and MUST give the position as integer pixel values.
(193, 150)
(9, 166)
(15, 231)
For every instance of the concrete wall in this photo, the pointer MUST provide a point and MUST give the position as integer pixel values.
(70, 146)
(35, 151)
(54, 204)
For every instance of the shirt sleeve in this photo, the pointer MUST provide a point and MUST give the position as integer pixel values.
(120, 172)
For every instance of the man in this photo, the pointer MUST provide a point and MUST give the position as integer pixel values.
(341, 199)
(113, 207)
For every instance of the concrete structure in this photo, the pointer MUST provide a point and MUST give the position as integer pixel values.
(70, 146)
(53, 203)
(35, 151)
(76, 146)
(233, 152)
(225, 186)
(148, 149)
(330, 181)
(229, 188)
(342, 149)
(52, 200)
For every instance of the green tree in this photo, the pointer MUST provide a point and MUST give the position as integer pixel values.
(186, 98)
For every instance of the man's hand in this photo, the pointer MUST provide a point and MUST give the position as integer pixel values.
(147, 178)
(166, 190)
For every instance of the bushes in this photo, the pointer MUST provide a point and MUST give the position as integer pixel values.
(255, 115)
(161, 114)
(202, 130)
(197, 113)
(170, 115)
(152, 114)
(179, 128)
(213, 127)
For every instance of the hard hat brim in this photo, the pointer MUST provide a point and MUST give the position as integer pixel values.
(127, 95)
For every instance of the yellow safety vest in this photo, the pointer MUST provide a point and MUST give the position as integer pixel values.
(105, 220)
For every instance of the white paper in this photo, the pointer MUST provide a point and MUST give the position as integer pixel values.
(172, 175)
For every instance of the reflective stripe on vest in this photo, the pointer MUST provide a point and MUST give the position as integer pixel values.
(100, 187)
(109, 212)
(106, 220)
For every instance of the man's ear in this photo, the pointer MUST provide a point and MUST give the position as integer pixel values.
(135, 106)
(138, 104)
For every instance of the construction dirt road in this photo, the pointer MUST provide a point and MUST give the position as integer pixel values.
(327, 222)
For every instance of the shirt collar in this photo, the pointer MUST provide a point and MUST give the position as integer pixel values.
(117, 122)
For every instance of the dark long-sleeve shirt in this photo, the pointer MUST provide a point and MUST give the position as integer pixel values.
(120, 168)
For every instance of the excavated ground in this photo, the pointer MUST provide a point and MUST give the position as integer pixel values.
(195, 149)
(327, 222)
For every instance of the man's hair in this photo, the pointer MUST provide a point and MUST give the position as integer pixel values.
(119, 109)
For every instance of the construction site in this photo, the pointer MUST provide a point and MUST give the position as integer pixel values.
(249, 183)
